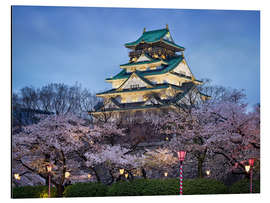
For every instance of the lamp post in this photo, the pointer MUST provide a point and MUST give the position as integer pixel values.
(49, 169)
(121, 171)
(251, 163)
(181, 156)
(67, 174)
(208, 172)
(17, 176)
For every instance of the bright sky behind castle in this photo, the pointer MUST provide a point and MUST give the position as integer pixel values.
(86, 45)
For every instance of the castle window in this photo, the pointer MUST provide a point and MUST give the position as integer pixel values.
(134, 86)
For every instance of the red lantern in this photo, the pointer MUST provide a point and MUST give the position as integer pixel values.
(251, 162)
(181, 155)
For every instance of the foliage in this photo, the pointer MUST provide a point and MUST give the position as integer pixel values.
(221, 127)
(57, 98)
(138, 187)
(159, 158)
(114, 155)
(166, 187)
(32, 192)
(203, 186)
(243, 186)
(86, 190)
(52, 140)
(66, 141)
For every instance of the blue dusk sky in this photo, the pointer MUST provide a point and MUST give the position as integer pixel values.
(86, 45)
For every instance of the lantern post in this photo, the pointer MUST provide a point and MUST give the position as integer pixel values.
(49, 169)
(181, 156)
(251, 163)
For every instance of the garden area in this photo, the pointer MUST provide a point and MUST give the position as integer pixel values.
(140, 187)
(76, 155)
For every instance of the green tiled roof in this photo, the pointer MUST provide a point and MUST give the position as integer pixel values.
(141, 62)
(172, 44)
(150, 37)
(153, 36)
(172, 63)
(185, 76)
(159, 86)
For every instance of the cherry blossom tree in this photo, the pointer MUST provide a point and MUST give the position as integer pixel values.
(223, 127)
(115, 158)
(72, 144)
(56, 140)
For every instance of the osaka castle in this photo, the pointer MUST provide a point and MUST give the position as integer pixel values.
(156, 77)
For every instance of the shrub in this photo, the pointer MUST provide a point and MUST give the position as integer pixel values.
(242, 186)
(203, 186)
(143, 187)
(32, 192)
(166, 187)
(86, 190)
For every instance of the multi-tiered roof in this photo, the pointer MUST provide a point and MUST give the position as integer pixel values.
(155, 76)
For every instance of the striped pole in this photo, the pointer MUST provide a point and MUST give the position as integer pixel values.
(49, 193)
(181, 178)
(251, 180)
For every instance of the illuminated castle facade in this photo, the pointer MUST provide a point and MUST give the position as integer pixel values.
(156, 77)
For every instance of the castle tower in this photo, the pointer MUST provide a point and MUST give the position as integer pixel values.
(156, 76)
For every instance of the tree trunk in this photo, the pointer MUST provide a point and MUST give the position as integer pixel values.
(200, 171)
(59, 190)
(143, 173)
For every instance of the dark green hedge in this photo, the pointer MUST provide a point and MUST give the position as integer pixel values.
(242, 186)
(139, 187)
(86, 190)
(143, 187)
(203, 186)
(167, 187)
(32, 192)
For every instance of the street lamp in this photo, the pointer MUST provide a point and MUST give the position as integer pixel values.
(17, 176)
(49, 169)
(67, 174)
(121, 171)
(207, 172)
(181, 156)
(126, 175)
(251, 163)
(165, 174)
(88, 175)
(247, 168)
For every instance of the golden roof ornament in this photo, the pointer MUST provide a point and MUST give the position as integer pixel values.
(167, 27)
(134, 59)
(144, 30)
(193, 78)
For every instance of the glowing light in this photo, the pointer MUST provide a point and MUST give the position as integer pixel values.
(247, 168)
(165, 174)
(49, 168)
(126, 175)
(181, 155)
(67, 174)
(121, 171)
(17, 176)
(89, 176)
(207, 172)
